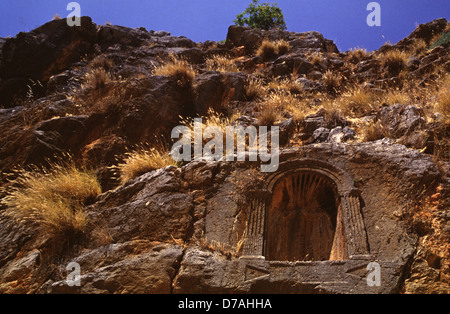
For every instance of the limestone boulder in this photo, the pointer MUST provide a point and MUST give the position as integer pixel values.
(134, 267)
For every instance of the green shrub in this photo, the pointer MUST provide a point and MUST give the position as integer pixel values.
(443, 40)
(262, 15)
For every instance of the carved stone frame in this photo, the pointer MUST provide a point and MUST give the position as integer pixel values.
(352, 219)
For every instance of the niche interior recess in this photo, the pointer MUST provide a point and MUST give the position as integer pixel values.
(308, 211)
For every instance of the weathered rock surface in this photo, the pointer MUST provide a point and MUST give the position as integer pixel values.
(156, 210)
(154, 207)
(250, 38)
(218, 88)
(216, 226)
(135, 267)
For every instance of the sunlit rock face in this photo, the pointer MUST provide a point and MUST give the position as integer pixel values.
(354, 186)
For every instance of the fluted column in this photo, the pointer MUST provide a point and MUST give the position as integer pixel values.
(355, 232)
(254, 243)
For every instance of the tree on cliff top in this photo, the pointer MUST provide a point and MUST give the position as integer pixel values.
(262, 15)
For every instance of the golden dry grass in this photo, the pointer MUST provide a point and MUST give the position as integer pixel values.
(267, 50)
(435, 98)
(268, 115)
(442, 104)
(372, 132)
(254, 89)
(112, 96)
(221, 64)
(282, 46)
(350, 67)
(178, 68)
(441, 152)
(281, 101)
(394, 60)
(97, 79)
(397, 97)
(357, 55)
(357, 102)
(54, 198)
(223, 249)
(332, 81)
(315, 58)
(213, 118)
(101, 63)
(286, 85)
(332, 114)
(142, 161)
(270, 49)
(418, 47)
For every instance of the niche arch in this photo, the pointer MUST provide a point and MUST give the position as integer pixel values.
(307, 210)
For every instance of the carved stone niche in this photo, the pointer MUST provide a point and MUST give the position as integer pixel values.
(308, 210)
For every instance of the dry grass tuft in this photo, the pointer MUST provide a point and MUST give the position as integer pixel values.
(281, 101)
(357, 102)
(356, 55)
(350, 67)
(282, 46)
(441, 152)
(53, 198)
(269, 115)
(315, 58)
(214, 119)
(332, 115)
(267, 50)
(397, 97)
(372, 132)
(221, 64)
(442, 104)
(97, 79)
(270, 49)
(178, 68)
(418, 47)
(286, 85)
(437, 98)
(332, 81)
(223, 249)
(394, 60)
(142, 161)
(254, 90)
(101, 63)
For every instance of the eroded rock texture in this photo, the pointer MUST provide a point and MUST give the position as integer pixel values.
(333, 206)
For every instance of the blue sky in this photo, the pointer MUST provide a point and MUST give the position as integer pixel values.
(343, 21)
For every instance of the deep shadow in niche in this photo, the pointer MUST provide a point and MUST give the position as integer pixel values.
(304, 220)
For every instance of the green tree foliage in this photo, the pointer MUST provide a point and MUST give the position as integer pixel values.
(262, 15)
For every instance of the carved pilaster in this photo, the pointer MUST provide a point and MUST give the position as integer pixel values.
(354, 226)
(254, 243)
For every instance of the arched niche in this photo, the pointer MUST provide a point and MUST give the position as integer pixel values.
(304, 219)
(308, 210)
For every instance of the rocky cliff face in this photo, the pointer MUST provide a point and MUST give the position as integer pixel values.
(363, 174)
